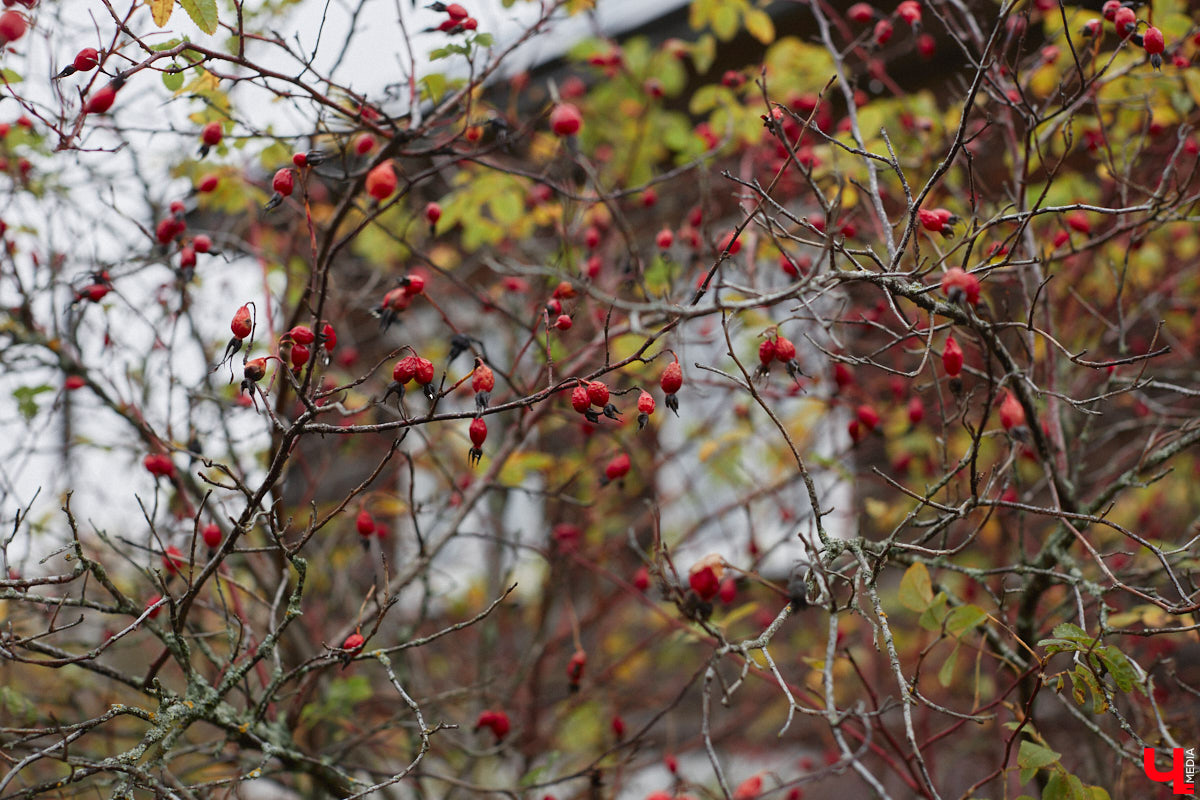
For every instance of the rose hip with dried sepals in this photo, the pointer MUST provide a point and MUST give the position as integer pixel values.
(645, 406)
(284, 183)
(351, 647)
(575, 669)
(253, 371)
(766, 354)
(671, 381)
(478, 432)
(580, 400)
(959, 285)
(482, 382)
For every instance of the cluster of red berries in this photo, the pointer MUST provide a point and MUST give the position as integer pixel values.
(457, 19)
(159, 465)
(780, 349)
(97, 288)
(937, 220)
(408, 369)
(1125, 22)
(908, 11)
(398, 299)
(495, 721)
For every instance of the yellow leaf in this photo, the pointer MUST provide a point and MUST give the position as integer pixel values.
(161, 11)
(760, 26)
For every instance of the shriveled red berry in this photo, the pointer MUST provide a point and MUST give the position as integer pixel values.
(618, 467)
(952, 357)
(242, 323)
(212, 134)
(101, 100)
(575, 667)
(597, 393)
(672, 378)
(1012, 414)
(1125, 21)
(766, 352)
(704, 582)
(172, 560)
(425, 371)
(284, 181)
(484, 380)
(860, 13)
(645, 403)
(910, 12)
(641, 579)
(495, 721)
(433, 212)
(328, 337)
(478, 431)
(785, 351)
(12, 26)
(580, 400)
(883, 32)
(303, 334)
(299, 355)
(405, 370)
(565, 120)
(959, 285)
(916, 411)
(381, 181)
(1152, 40)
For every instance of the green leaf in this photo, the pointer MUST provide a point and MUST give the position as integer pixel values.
(173, 81)
(932, 617)
(1120, 667)
(946, 673)
(18, 706)
(1064, 786)
(203, 13)
(725, 22)
(26, 397)
(506, 207)
(167, 45)
(964, 618)
(10, 76)
(1035, 756)
(916, 589)
(483, 40)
